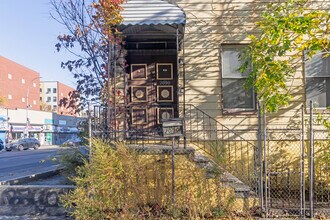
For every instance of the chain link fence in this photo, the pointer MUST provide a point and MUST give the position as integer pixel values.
(295, 168)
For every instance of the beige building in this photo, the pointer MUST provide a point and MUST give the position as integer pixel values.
(186, 51)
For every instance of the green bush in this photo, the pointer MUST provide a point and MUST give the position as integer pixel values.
(120, 184)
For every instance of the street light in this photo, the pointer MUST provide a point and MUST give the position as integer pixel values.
(27, 106)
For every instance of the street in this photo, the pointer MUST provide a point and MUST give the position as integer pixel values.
(18, 163)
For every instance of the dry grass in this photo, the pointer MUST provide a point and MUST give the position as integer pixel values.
(120, 184)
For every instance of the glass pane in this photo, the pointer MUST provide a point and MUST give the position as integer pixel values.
(318, 66)
(318, 90)
(235, 96)
(231, 63)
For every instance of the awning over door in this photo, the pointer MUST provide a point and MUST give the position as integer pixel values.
(152, 12)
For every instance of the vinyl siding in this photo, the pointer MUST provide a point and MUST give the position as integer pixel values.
(211, 23)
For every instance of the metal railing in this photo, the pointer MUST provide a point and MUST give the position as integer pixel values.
(142, 125)
(133, 124)
(227, 148)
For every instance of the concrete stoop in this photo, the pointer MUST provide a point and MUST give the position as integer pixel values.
(245, 198)
(154, 149)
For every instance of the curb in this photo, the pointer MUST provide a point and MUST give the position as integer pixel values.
(33, 177)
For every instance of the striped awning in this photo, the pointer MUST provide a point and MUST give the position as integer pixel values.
(152, 12)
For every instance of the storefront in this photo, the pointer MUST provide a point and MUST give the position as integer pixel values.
(4, 128)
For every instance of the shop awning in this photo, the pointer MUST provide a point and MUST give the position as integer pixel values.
(152, 12)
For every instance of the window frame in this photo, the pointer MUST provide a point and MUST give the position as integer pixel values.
(252, 110)
(307, 101)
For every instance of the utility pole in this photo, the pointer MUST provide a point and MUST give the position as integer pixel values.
(27, 107)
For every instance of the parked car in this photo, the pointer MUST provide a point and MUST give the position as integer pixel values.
(23, 144)
(72, 142)
(1, 144)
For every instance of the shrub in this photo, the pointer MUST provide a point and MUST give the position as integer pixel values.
(119, 183)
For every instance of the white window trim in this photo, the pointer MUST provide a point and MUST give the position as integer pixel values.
(306, 77)
(233, 110)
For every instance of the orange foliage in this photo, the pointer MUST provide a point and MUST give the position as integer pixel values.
(108, 16)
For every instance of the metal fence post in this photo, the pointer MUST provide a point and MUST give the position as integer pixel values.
(260, 182)
(265, 162)
(302, 166)
(173, 174)
(89, 128)
(311, 163)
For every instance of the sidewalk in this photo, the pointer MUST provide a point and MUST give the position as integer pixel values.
(34, 174)
(20, 167)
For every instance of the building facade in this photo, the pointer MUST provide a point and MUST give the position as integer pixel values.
(48, 127)
(186, 52)
(57, 97)
(19, 85)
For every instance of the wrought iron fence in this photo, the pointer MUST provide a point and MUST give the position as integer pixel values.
(289, 168)
(226, 147)
(133, 124)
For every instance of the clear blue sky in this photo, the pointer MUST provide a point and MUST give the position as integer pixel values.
(28, 35)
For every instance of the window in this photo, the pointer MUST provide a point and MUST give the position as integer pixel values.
(34, 102)
(48, 90)
(318, 81)
(10, 96)
(54, 90)
(54, 107)
(40, 99)
(23, 81)
(49, 99)
(34, 85)
(54, 99)
(40, 90)
(23, 99)
(235, 97)
(9, 76)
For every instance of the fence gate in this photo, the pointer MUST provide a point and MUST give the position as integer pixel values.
(295, 180)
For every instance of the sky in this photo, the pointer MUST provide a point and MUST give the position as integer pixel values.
(28, 36)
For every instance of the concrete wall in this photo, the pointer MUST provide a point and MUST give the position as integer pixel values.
(18, 116)
(42, 201)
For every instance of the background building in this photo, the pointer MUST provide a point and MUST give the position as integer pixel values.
(56, 96)
(48, 127)
(18, 85)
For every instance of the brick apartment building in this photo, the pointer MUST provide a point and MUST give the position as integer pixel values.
(19, 85)
(57, 96)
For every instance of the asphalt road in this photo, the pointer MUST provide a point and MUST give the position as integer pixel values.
(17, 163)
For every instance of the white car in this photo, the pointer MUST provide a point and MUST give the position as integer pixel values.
(73, 142)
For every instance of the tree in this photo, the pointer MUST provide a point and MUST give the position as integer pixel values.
(92, 32)
(289, 31)
(45, 107)
(2, 100)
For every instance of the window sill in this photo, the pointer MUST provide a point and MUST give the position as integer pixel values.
(239, 112)
(318, 110)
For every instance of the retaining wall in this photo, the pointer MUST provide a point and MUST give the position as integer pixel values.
(41, 201)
